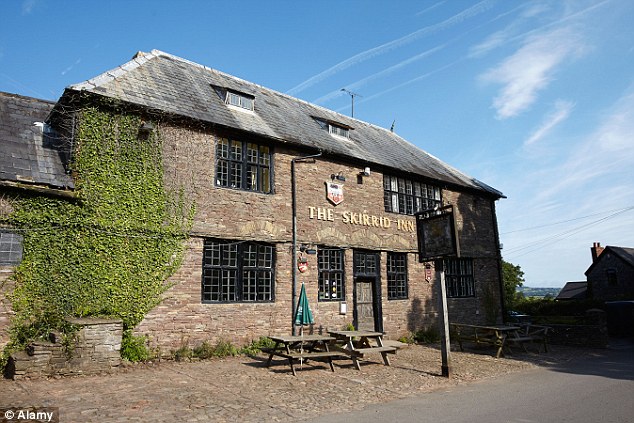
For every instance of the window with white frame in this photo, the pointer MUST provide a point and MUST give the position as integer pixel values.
(405, 196)
(242, 100)
(10, 247)
(237, 272)
(340, 131)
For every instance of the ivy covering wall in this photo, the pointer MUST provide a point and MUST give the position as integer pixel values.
(109, 253)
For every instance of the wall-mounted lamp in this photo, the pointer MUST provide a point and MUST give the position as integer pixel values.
(363, 173)
(338, 177)
(147, 127)
(306, 249)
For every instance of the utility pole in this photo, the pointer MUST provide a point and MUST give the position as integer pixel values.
(352, 95)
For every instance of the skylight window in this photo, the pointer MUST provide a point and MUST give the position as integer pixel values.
(237, 99)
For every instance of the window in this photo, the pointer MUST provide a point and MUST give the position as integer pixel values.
(612, 277)
(408, 197)
(240, 100)
(243, 165)
(237, 272)
(459, 278)
(10, 248)
(396, 276)
(338, 130)
(331, 277)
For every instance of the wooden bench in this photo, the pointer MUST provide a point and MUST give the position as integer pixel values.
(306, 347)
(495, 336)
(360, 352)
(530, 334)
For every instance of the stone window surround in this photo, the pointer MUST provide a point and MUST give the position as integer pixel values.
(247, 270)
(397, 287)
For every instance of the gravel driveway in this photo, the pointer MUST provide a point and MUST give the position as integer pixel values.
(244, 389)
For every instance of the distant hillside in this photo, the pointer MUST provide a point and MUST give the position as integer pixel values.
(538, 292)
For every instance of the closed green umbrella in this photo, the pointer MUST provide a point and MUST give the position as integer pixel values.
(303, 315)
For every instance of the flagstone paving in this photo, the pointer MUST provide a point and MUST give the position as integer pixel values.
(244, 389)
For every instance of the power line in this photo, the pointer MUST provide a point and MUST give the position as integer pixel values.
(566, 221)
(537, 245)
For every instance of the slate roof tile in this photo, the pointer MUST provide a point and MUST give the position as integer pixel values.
(26, 155)
(161, 81)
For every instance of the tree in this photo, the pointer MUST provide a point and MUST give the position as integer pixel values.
(512, 278)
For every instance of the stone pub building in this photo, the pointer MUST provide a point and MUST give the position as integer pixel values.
(288, 193)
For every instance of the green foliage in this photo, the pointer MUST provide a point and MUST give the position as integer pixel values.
(409, 339)
(204, 351)
(550, 307)
(134, 348)
(512, 278)
(349, 326)
(110, 253)
(256, 346)
(427, 335)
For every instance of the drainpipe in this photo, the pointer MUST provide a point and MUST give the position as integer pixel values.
(294, 252)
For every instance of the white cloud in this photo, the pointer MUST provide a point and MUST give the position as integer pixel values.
(605, 157)
(561, 113)
(391, 45)
(529, 70)
(28, 6)
(379, 74)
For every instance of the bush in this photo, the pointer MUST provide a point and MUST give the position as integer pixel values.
(427, 336)
(550, 307)
(256, 346)
(134, 348)
(206, 351)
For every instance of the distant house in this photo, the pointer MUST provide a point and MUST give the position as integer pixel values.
(611, 274)
(573, 291)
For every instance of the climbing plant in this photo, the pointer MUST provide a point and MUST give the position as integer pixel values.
(110, 252)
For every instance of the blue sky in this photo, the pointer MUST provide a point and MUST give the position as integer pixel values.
(535, 98)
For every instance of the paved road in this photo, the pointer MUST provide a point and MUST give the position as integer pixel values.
(591, 390)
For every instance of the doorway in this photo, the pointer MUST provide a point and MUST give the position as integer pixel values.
(367, 291)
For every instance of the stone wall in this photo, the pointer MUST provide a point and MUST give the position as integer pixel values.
(96, 349)
(6, 311)
(360, 222)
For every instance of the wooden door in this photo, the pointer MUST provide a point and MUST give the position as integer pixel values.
(367, 285)
(365, 305)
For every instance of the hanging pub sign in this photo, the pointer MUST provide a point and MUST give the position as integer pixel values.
(437, 237)
(334, 192)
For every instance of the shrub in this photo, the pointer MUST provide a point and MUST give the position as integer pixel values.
(221, 349)
(134, 348)
(427, 336)
(256, 346)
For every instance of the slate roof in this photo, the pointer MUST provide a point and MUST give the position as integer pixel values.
(573, 291)
(160, 81)
(625, 254)
(27, 156)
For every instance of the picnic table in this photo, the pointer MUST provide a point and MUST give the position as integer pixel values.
(495, 335)
(357, 343)
(302, 348)
(529, 333)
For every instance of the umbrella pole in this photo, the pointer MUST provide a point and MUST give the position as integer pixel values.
(301, 348)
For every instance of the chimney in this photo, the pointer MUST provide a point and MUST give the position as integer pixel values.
(596, 250)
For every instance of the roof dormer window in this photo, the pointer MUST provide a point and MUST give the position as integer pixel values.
(238, 99)
(339, 131)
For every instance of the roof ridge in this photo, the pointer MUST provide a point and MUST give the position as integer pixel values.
(156, 52)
